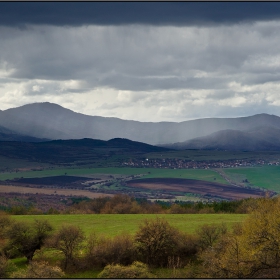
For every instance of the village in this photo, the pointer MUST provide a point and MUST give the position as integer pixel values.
(191, 164)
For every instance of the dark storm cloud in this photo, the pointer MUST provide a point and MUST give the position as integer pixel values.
(142, 61)
(119, 13)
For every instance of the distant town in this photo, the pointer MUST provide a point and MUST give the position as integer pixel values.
(187, 164)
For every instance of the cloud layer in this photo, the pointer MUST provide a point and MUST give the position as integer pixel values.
(146, 72)
(122, 13)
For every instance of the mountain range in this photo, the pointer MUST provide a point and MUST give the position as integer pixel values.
(256, 139)
(41, 121)
(77, 152)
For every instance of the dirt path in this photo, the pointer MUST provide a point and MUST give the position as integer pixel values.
(223, 174)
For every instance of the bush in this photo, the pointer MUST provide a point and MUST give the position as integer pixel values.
(187, 246)
(102, 251)
(156, 240)
(177, 209)
(136, 270)
(5, 267)
(39, 270)
(5, 222)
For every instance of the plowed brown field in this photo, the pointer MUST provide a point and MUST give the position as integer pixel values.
(197, 187)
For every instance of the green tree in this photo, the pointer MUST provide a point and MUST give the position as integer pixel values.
(252, 251)
(25, 238)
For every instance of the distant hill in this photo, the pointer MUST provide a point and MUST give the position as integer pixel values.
(48, 120)
(76, 152)
(260, 138)
(9, 135)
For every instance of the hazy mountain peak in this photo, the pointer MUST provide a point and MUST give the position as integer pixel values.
(40, 105)
(52, 121)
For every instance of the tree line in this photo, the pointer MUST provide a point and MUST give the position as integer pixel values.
(125, 204)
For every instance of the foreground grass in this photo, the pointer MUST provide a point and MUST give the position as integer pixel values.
(267, 177)
(116, 224)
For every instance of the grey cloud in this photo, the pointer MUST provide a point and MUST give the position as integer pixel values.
(170, 72)
(138, 58)
(83, 90)
(120, 13)
(214, 110)
(259, 78)
(135, 83)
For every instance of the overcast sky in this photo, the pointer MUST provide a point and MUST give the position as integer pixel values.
(142, 61)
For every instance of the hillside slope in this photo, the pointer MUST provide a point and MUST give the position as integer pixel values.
(9, 135)
(259, 138)
(76, 152)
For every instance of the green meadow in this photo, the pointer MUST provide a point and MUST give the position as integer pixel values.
(267, 177)
(111, 225)
(116, 224)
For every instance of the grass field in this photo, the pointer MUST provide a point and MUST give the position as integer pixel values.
(116, 224)
(197, 174)
(112, 225)
(267, 177)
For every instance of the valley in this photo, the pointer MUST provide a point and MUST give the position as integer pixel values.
(57, 172)
(203, 182)
(139, 140)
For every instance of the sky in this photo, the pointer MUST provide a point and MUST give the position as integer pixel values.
(145, 61)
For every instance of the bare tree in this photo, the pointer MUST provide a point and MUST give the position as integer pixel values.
(209, 234)
(69, 240)
(156, 240)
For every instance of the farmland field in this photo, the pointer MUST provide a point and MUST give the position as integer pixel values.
(267, 177)
(115, 224)
(50, 191)
(196, 186)
(197, 174)
(203, 182)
